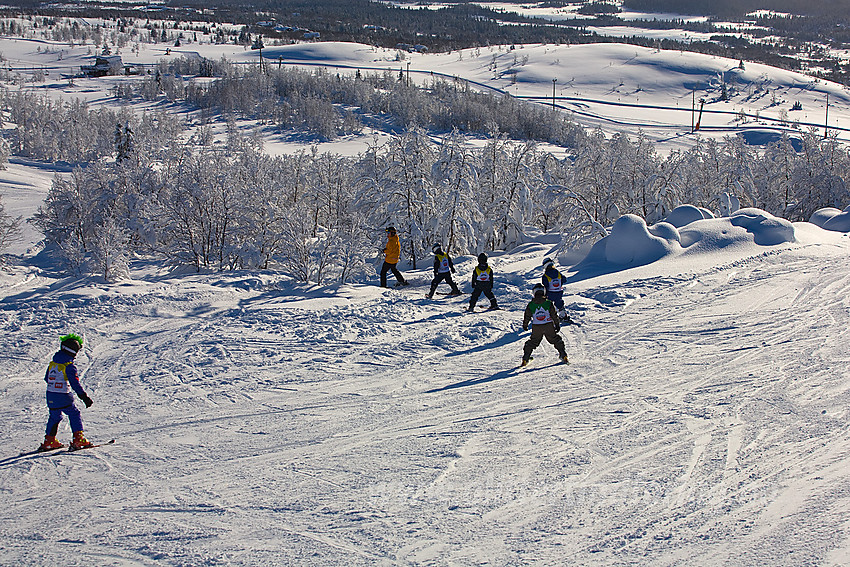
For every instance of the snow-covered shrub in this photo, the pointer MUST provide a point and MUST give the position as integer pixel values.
(631, 243)
(10, 227)
(5, 152)
(686, 214)
(110, 254)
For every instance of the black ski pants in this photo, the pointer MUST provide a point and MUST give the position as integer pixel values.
(386, 267)
(482, 287)
(537, 333)
(447, 276)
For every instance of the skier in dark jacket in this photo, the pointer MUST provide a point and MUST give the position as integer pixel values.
(443, 269)
(482, 282)
(553, 281)
(541, 313)
(62, 378)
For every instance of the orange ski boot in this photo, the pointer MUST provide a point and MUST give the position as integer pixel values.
(50, 443)
(80, 441)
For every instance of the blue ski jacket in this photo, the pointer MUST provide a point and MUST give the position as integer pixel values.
(57, 400)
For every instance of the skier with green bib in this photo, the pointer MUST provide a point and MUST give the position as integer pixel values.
(541, 314)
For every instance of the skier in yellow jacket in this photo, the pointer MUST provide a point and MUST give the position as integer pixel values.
(392, 254)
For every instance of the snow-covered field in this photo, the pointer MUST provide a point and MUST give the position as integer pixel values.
(703, 419)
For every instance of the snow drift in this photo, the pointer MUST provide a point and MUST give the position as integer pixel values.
(830, 218)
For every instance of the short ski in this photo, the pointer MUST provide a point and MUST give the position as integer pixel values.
(525, 363)
(38, 451)
(72, 449)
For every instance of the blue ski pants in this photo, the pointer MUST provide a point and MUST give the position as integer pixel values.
(56, 417)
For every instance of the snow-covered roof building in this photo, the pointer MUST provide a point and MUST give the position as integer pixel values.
(104, 65)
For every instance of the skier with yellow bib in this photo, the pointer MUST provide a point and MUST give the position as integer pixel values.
(482, 282)
(443, 269)
(62, 377)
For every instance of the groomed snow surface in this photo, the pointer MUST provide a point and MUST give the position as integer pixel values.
(702, 420)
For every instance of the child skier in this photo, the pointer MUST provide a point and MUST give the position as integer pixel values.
(553, 281)
(61, 378)
(482, 282)
(443, 269)
(540, 312)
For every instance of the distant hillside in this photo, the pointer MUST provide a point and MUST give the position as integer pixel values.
(738, 8)
(812, 42)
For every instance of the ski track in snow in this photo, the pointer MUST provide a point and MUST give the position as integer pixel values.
(702, 420)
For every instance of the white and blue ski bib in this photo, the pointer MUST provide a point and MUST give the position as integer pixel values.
(57, 381)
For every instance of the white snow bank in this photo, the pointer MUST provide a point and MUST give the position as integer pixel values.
(743, 227)
(341, 52)
(686, 214)
(830, 218)
(767, 230)
(632, 243)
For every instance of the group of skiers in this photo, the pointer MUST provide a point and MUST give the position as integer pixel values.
(482, 275)
(543, 314)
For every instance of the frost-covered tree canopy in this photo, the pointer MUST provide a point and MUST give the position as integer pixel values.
(321, 216)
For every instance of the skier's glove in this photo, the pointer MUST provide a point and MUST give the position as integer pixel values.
(87, 400)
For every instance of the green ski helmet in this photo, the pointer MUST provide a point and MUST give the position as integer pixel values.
(71, 343)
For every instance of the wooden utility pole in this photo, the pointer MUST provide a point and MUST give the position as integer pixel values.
(826, 119)
(553, 93)
(693, 107)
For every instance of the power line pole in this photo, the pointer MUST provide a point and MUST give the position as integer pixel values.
(553, 93)
(826, 118)
(693, 107)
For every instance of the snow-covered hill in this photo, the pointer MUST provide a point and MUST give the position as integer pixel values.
(616, 87)
(702, 419)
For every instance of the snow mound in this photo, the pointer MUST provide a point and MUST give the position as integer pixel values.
(686, 214)
(342, 52)
(830, 218)
(744, 227)
(632, 243)
(767, 230)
